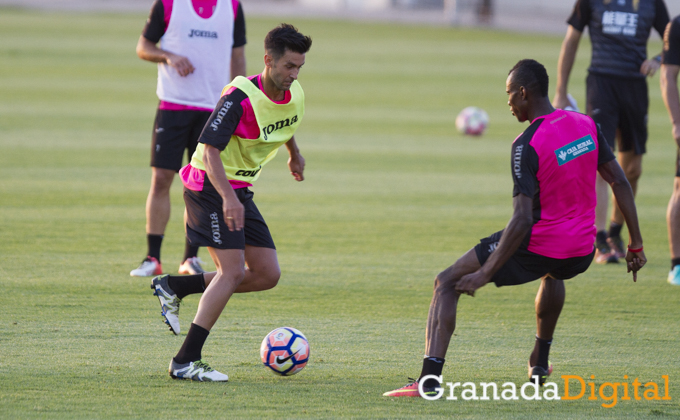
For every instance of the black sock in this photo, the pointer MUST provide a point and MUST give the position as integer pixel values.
(539, 357)
(674, 262)
(615, 230)
(187, 285)
(193, 344)
(154, 242)
(432, 366)
(189, 251)
(601, 237)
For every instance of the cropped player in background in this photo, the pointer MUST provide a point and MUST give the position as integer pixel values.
(550, 236)
(616, 91)
(669, 90)
(253, 118)
(202, 46)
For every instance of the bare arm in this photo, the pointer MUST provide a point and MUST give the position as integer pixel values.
(296, 163)
(612, 173)
(669, 92)
(149, 51)
(517, 229)
(564, 65)
(650, 66)
(238, 61)
(231, 206)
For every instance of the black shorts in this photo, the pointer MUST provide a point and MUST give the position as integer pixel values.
(677, 163)
(525, 266)
(619, 103)
(205, 224)
(174, 132)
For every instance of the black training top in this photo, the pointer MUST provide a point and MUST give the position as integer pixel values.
(671, 43)
(619, 30)
(229, 121)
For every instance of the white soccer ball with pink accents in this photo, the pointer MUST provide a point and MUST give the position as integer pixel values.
(472, 121)
(285, 351)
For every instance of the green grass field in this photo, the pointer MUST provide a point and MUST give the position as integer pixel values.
(393, 195)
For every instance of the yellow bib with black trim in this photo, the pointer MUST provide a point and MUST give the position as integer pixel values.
(243, 158)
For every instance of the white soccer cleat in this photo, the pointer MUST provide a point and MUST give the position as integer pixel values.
(191, 266)
(169, 302)
(196, 371)
(149, 267)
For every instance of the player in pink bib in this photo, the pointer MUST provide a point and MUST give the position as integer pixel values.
(199, 46)
(550, 236)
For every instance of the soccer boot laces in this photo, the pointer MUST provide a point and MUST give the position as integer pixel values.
(196, 371)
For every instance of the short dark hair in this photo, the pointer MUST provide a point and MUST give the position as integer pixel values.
(532, 75)
(283, 37)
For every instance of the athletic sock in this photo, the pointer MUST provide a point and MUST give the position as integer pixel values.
(615, 230)
(154, 245)
(432, 366)
(193, 344)
(539, 357)
(674, 262)
(601, 238)
(189, 251)
(187, 285)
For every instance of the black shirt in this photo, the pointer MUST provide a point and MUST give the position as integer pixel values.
(671, 43)
(619, 31)
(225, 119)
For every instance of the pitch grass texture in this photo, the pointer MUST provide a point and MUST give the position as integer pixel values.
(393, 195)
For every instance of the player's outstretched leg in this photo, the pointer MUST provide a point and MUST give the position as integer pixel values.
(549, 303)
(441, 322)
(262, 270)
(169, 302)
(170, 291)
(187, 364)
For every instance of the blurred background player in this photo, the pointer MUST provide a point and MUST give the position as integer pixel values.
(253, 118)
(202, 46)
(558, 155)
(616, 91)
(669, 90)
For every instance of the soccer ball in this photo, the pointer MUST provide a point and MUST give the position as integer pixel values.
(472, 121)
(285, 351)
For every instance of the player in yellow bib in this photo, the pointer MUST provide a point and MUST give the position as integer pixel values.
(254, 117)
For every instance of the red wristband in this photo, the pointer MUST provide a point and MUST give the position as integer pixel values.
(635, 250)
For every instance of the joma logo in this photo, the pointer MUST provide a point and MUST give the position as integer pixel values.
(220, 115)
(279, 125)
(202, 34)
(517, 161)
(215, 226)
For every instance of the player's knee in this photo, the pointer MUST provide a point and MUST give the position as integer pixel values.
(633, 172)
(271, 279)
(443, 282)
(233, 275)
(161, 180)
